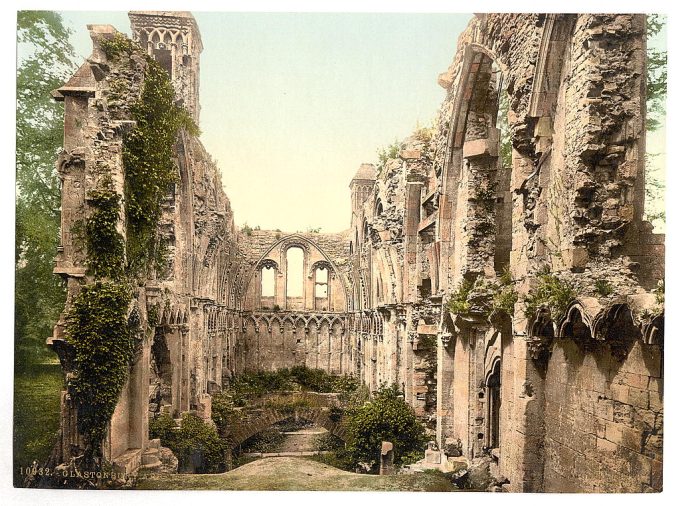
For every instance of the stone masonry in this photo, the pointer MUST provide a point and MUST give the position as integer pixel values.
(559, 396)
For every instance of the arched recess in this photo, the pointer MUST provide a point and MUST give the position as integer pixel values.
(493, 405)
(267, 271)
(475, 180)
(282, 245)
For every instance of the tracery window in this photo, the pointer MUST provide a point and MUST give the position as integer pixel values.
(294, 272)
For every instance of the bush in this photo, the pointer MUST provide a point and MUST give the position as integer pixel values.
(196, 444)
(385, 418)
(297, 378)
(223, 413)
(163, 427)
(551, 293)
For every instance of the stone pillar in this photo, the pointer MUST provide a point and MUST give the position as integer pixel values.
(386, 458)
(445, 381)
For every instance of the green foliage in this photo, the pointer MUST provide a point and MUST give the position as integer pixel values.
(45, 59)
(196, 444)
(660, 293)
(387, 153)
(163, 427)
(37, 395)
(551, 293)
(338, 457)
(104, 347)
(223, 413)
(105, 245)
(485, 296)
(657, 75)
(312, 230)
(458, 303)
(149, 163)
(117, 46)
(603, 287)
(385, 418)
(504, 127)
(246, 229)
(657, 79)
(297, 378)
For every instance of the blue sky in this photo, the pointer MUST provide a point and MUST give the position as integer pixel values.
(292, 104)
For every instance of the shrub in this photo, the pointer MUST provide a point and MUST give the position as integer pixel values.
(458, 303)
(223, 413)
(385, 418)
(196, 444)
(552, 293)
(163, 427)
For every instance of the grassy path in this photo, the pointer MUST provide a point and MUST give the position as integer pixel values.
(291, 473)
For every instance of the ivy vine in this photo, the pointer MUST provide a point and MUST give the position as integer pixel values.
(103, 350)
(105, 245)
(102, 335)
(150, 167)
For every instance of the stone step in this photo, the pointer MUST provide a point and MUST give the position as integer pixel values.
(151, 456)
(154, 466)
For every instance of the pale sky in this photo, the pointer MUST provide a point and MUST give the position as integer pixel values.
(292, 104)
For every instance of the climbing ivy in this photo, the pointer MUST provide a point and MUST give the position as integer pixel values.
(103, 347)
(149, 162)
(99, 329)
(105, 245)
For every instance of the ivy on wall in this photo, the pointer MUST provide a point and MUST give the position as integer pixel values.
(150, 168)
(105, 245)
(104, 347)
(99, 329)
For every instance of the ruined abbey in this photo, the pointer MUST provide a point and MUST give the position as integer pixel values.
(515, 300)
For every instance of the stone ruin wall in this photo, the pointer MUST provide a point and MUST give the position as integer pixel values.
(446, 209)
(555, 402)
(281, 331)
(193, 344)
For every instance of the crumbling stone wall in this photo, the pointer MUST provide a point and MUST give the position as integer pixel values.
(280, 330)
(517, 307)
(189, 323)
(462, 226)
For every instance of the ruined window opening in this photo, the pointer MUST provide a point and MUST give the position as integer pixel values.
(425, 288)
(321, 282)
(267, 281)
(494, 406)
(164, 58)
(294, 272)
(351, 248)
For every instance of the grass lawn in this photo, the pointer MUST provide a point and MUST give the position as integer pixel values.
(36, 414)
(295, 473)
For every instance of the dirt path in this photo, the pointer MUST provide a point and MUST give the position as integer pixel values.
(291, 473)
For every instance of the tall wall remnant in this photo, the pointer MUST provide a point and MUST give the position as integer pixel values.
(510, 295)
(530, 280)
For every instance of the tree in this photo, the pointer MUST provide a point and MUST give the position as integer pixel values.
(45, 61)
(657, 76)
(386, 417)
